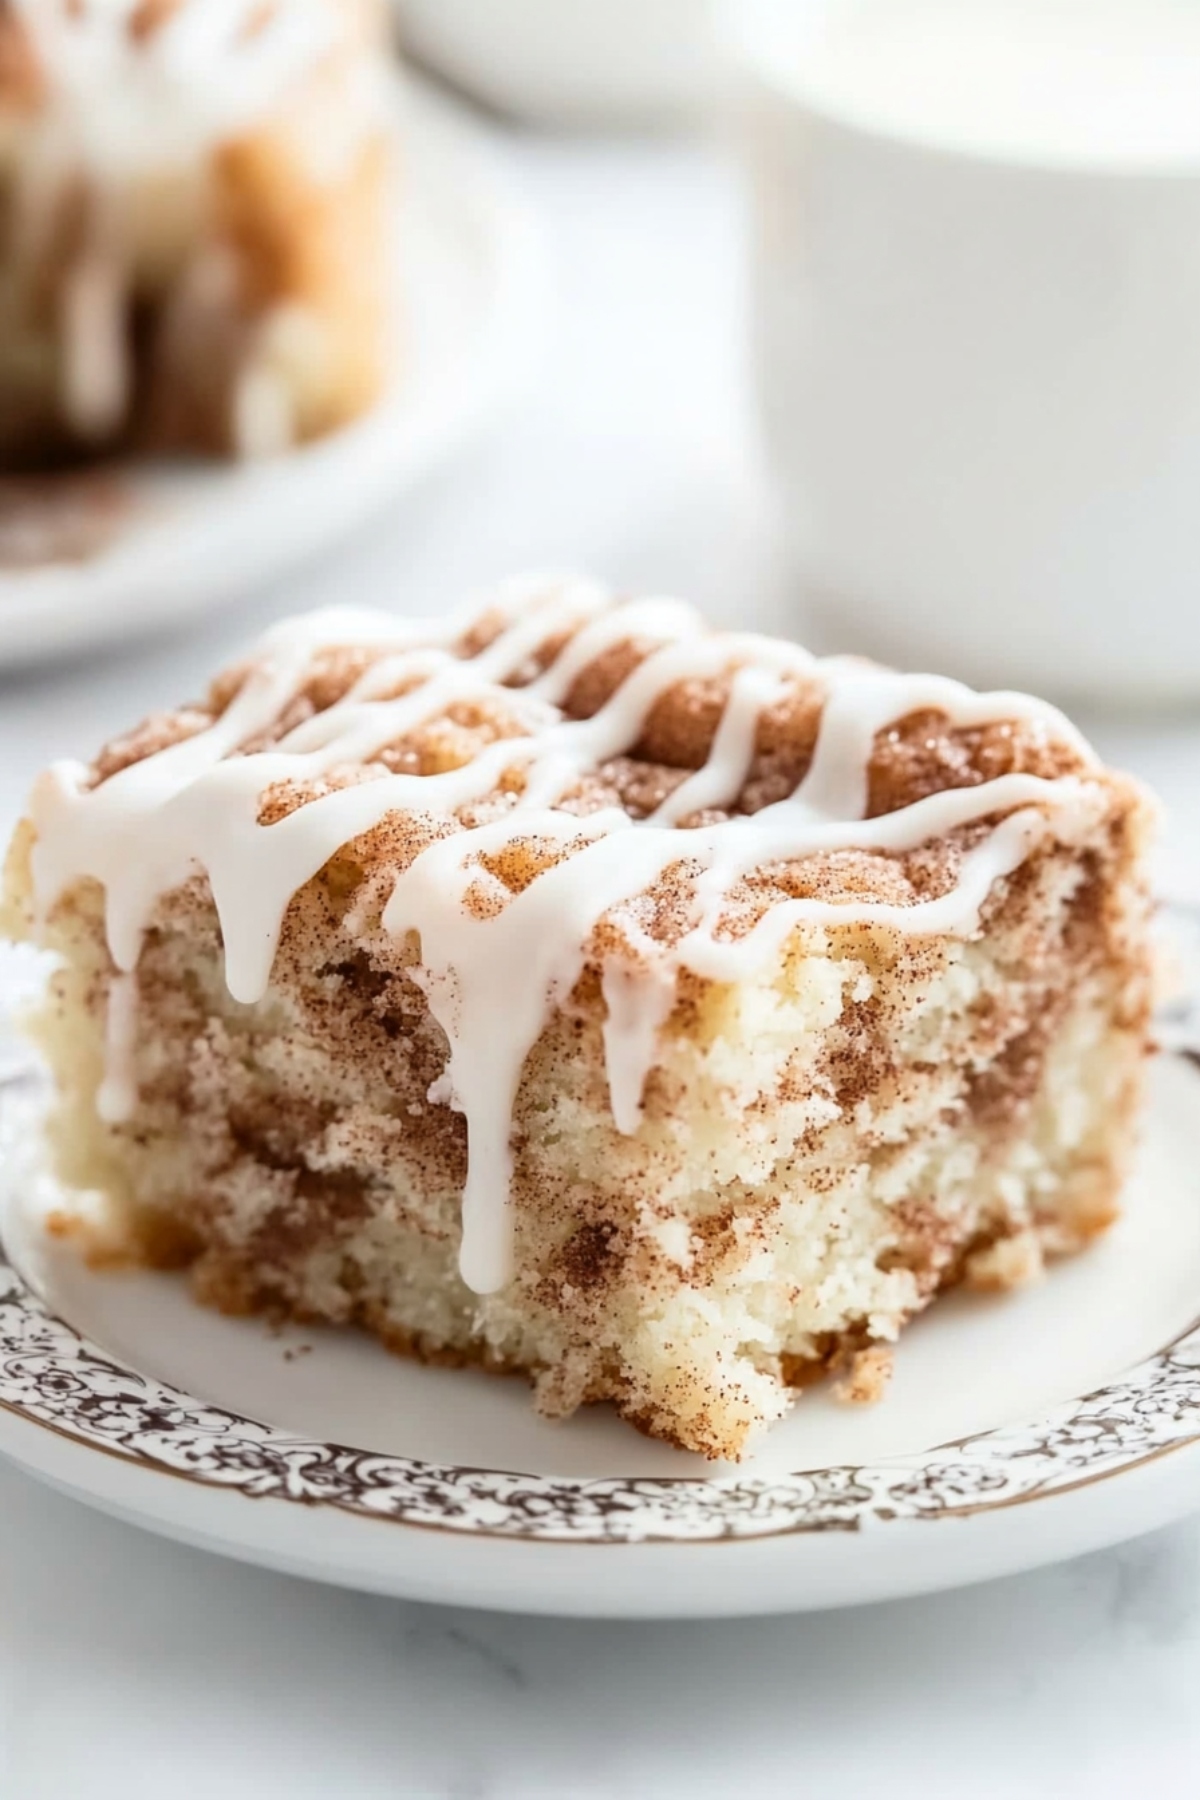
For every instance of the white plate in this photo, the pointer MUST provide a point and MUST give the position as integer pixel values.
(199, 534)
(1018, 1430)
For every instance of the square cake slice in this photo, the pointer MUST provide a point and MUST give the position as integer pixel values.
(568, 988)
(194, 231)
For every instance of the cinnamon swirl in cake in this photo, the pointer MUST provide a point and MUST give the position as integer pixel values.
(569, 988)
(193, 223)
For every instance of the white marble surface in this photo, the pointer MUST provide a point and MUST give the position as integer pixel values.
(131, 1668)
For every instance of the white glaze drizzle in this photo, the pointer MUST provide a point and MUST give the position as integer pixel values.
(637, 1004)
(493, 976)
(117, 1095)
(95, 378)
(127, 101)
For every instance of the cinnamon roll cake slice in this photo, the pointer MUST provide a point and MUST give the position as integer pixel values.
(194, 224)
(566, 987)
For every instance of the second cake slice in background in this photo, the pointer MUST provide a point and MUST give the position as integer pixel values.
(194, 224)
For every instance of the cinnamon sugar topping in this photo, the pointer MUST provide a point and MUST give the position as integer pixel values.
(556, 780)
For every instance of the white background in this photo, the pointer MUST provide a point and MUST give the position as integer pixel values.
(131, 1668)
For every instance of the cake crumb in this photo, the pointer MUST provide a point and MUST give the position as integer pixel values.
(96, 1234)
(1012, 1262)
(866, 1380)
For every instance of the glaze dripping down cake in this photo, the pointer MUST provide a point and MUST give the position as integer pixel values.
(193, 223)
(569, 988)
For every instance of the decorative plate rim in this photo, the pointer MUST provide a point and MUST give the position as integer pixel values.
(53, 1377)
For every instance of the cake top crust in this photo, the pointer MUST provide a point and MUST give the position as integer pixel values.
(555, 778)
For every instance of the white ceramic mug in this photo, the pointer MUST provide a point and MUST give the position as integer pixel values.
(977, 315)
(571, 62)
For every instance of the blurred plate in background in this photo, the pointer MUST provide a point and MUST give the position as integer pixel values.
(143, 545)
